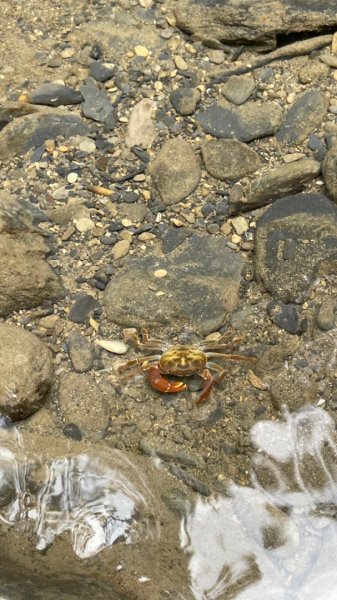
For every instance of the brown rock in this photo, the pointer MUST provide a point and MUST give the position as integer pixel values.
(25, 372)
(175, 171)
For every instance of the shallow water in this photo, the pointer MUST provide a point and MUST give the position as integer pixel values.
(276, 538)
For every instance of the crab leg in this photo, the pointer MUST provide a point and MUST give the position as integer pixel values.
(231, 356)
(155, 379)
(145, 343)
(207, 386)
(220, 346)
(138, 361)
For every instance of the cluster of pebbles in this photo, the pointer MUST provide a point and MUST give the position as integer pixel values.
(157, 197)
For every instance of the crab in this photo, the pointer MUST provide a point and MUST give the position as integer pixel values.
(182, 360)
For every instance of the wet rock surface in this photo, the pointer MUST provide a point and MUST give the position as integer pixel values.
(167, 198)
(293, 238)
(26, 372)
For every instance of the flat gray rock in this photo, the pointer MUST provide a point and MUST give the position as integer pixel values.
(303, 117)
(293, 238)
(97, 104)
(229, 159)
(54, 94)
(252, 22)
(32, 130)
(245, 123)
(26, 372)
(175, 171)
(273, 184)
(201, 287)
(238, 88)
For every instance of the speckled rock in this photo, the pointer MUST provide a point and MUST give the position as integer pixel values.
(80, 352)
(175, 171)
(26, 280)
(293, 238)
(229, 159)
(184, 100)
(85, 402)
(26, 372)
(200, 288)
(293, 389)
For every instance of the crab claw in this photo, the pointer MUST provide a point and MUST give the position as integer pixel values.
(161, 384)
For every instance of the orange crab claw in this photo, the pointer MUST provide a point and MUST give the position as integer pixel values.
(161, 384)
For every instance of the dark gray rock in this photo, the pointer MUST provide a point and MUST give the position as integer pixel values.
(295, 237)
(185, 100)
(85, 402)
(252, 22)
(245, 123)
(229, 159)
(172, 238)
(273, 184)
(97, 104)
(329, 170)
(102, 71)
(238, 89)
(284, 316)
(80, 352)
(54, 94)
(82, 307)
(32, 130)
(26, 372)
(303, 117)
(175, 171)
(200, 289)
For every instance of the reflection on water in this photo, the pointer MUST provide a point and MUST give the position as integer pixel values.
(276, 539)
(94, 503)
(279, 538)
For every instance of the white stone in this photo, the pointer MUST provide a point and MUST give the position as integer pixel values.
(84, 224)
(114, 346)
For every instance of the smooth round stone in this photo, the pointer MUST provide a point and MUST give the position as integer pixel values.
(84, 224)
(160, 273)
(87, 145)
(180, 63)
(120, 249)
(141, 51)
(72, 177)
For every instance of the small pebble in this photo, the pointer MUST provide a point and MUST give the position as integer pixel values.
(180, 63)
(84, 224)
(141, 51)
(68, 52)
(72, 177)
(160, 273)
(240, 225)
(120, 249)
(114, 346)
(87, 145)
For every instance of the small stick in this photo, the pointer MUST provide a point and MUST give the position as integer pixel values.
(295, 49)
(98, 189)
